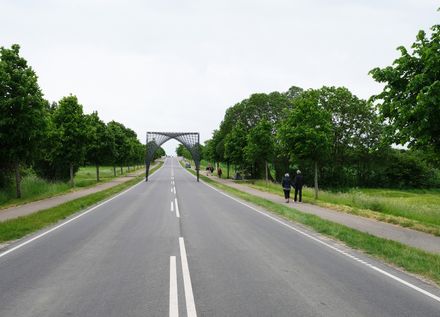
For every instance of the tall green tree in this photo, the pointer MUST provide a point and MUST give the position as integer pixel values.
(356, 131)
(121, 146)
(235, 143)
(183, 152)
(70, 121)
(293, 92)
(410, 100)
(99, 142)
(259, 149)
(22, 112)
(306, 131)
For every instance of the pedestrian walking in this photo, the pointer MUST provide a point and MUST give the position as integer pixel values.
(298, 184)
(209, 170)
(286, 183)
(219, 172)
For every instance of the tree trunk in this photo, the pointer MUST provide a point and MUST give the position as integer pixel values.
(71, 175)
(266, 175)
(17, 180)
(114, 171)
(316, 179)
(227, 173)
(97, 173)
(121, 171)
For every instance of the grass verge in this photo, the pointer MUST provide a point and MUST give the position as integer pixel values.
(17, 228)
(408, 258)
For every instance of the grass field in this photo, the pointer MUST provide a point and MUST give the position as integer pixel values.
(17, 228)
(395, 253)
(34, 188)
(418, 209)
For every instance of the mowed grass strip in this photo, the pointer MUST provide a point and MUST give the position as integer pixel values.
(17, 228)
(408, 258)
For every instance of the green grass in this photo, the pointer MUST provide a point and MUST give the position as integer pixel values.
(17, 228)
(408, 258)
(34, 188)
(417, 209)
(86, 175)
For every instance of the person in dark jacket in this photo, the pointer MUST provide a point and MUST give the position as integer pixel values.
(286, 183)
(298, 184)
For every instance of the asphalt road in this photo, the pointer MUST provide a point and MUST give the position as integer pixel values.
(173, 246)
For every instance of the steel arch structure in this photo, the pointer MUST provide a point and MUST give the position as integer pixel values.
(190, 140)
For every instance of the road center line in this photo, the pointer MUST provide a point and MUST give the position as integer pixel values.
(172, 206)
(189, 297)
(371, 266)
(177, 208)
(174, 304)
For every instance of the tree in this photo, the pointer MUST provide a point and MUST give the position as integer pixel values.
(159, 153)
(235, 142)
(22, 112)
(410, 100)
(100, 142)
(131, 144)
(293, 92)
(183, 152)
(306, 131)
(260, 145)
(356, 131)
(70, 121)
(121, 146)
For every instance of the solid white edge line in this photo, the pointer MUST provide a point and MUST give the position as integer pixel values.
(189, 297)
(174, 303)
(371, 266)
(177, 208)
(72, 219)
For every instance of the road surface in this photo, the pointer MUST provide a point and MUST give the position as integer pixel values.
(175, 247)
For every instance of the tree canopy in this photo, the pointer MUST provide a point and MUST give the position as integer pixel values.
(22, 111)
(410, 100)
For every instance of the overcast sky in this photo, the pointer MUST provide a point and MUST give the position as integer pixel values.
(178, 65)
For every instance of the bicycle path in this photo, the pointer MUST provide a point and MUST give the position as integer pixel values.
(35, 206)
(417, 239)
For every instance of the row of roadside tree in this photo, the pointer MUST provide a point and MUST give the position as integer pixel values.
(347, 141)
(53, 139)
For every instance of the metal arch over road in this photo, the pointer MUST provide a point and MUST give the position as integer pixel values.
(191, 140)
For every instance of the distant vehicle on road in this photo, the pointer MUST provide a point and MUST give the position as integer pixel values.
(187, 165)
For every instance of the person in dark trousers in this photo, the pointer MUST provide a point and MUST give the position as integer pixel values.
(286, 183)
(298, 184)
(219, 172)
